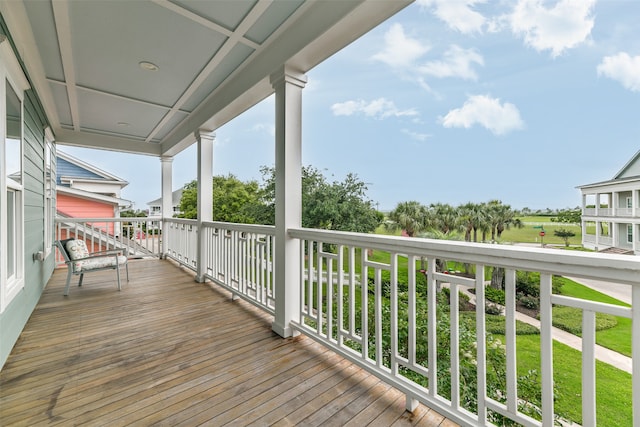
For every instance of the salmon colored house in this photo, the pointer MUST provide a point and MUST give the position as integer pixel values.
(85, 191)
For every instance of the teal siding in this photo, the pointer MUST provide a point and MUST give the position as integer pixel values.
(37, 273)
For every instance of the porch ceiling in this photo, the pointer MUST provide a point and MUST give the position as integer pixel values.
(213, 61)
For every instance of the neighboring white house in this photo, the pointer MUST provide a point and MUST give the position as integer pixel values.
(155, 206)
(611, 211)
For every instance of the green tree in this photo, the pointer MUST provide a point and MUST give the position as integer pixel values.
(130, 213)
(233, 200)
(564, 234)
(569, 216)
(412, 217)
(339, 205)
(473, 218)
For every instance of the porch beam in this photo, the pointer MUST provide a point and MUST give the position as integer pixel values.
(288, 85)
(204, 140)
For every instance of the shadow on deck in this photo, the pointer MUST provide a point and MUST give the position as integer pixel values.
(172, 351)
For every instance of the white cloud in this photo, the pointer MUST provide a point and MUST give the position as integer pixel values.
(415, 135)
(487, 112)
(458, 14)
(623, 68)
(562, 26)
(380, 108)
(456, 62)
(400, 51)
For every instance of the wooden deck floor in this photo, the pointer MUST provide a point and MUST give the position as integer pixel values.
(169, 351)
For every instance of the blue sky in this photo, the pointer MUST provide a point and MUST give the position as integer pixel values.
(453, 101)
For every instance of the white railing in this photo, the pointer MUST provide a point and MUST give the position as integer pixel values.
(395, 326)
(605, 212)
(605, 240)
(237, 257)
(589, 211)
(137, 237)
(180, 240)
(624, 212)
(589, 238)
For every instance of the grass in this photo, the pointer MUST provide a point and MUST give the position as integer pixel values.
(617, 338)
(613, 386)
(528, 234)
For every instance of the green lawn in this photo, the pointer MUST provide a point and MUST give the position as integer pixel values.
(617, 338)
(529, 234)
(613, 386)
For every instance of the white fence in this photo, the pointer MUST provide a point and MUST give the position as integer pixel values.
(238, 257)
(386, 325)
(137, 237)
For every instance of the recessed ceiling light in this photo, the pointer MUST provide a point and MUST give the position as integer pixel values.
(124, 124)
(149, 66)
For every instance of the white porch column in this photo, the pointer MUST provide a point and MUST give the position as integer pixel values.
(634, 203)
(615, 202)
(205, 194)
(288, 87)
(166, 204)
(597, 204)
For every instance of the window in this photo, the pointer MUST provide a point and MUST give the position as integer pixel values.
(629, 202)
(49, 193)
(12, 254)
(12, 230)
(629, 233)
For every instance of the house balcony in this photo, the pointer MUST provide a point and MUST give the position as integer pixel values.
(169, 349)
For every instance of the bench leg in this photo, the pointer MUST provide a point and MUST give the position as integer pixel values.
(126, 266)
(118, 274)
(80, 281)
(66, 288)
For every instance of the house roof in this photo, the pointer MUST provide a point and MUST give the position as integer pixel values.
(142, 76)
(176, 196)
(630, 172)
(94, 196)
(69, 168)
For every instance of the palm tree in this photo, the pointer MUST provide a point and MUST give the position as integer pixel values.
(473, 218)
(411, 217)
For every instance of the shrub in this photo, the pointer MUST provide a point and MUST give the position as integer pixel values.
(529, 302)
(494, 295)
(493, 309)
(528, 283)
(496, 324)
(570, 320)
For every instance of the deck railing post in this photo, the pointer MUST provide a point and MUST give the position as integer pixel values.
(205, 196)
(166, 164)
(288, 87)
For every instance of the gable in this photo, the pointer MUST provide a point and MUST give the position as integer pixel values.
(68, 169)
(631, 169)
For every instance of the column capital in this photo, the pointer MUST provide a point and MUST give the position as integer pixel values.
(206, 134)
(286, 74)
(166, 159)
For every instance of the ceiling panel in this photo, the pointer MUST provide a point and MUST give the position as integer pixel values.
(271, 19)
(110, 40)
(226, 13)
(233, 60)
(41, 19)
(175, 119)
(115, 115)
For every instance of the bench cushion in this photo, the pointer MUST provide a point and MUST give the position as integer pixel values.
(99, 262)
